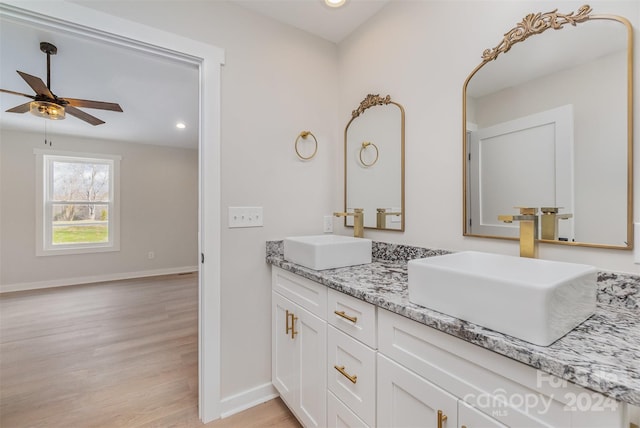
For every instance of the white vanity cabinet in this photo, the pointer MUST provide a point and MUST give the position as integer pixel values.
(299, 344)
(341, 362)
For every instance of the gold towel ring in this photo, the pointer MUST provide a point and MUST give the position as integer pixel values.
(366, 144)
(304, 135)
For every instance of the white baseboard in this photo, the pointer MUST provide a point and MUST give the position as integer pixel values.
(247, 399)
(63, 282)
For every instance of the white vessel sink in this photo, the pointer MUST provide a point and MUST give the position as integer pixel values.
(327, 251)
(535, 300)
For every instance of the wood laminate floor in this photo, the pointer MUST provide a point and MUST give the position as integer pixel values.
(114, 354)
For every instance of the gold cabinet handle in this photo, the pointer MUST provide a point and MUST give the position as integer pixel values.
(352, 378)
(441, 418)
(287, 322)
(345, 316)
(291, 327)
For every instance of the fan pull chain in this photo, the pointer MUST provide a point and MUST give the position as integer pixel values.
(45, 135)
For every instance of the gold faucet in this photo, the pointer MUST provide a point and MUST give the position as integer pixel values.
(528, 230)
(358, 221)
(549, 220)
(381, 217)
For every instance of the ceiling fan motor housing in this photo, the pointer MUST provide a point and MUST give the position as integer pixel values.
(48, 48)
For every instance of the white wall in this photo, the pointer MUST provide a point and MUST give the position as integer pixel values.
(420, 53)
(159, 213)
(276, 82)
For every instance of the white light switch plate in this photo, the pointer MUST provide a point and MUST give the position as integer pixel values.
(245, 217)
(396, 218)
(327, 224)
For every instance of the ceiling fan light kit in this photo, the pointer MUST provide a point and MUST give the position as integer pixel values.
(47, 110)
(47, 105)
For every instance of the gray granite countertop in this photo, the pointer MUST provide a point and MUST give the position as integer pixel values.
(602, 353)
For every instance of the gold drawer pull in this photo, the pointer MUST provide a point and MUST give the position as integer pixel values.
(441, 418)
(291, 328)
(345, 316)
(353, 378)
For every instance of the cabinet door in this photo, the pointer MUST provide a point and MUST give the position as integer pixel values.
(284, 358)
(468, 417)
(408, 400)
(312, 361)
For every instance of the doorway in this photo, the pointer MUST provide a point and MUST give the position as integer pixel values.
(99, 26)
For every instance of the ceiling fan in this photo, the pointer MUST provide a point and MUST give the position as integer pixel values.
(46, 104)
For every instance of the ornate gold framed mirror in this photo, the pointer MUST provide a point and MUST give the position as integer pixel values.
(549, 124)
(374, 163)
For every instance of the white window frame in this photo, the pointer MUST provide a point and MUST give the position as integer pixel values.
(44, 222)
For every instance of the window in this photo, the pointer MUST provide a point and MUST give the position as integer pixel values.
(77, 209)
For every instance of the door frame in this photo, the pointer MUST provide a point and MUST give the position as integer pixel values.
(63, 16)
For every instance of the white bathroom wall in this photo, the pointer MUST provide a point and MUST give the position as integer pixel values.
(420, 53)
(159, 213)
(276, 82)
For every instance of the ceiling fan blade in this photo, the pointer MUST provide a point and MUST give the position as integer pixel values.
(17, 93)
(22, 108)
(82, 115)
(36, 84)
(93, 104)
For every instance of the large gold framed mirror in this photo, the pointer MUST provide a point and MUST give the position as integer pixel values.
(374, 163)
(548, 123)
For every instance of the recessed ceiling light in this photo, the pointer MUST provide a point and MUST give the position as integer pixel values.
(335, 3)
(180, 125)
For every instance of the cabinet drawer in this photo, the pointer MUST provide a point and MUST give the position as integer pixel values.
(353, 316)
(352, 374)
(310, 295)
(339, 415)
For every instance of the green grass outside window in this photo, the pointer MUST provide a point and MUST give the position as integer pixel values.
(80, 234)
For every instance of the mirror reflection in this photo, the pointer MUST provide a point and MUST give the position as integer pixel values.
(548, 125)
(374, 163)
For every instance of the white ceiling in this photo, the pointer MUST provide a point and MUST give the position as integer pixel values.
(155, 92)
(315, 17)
